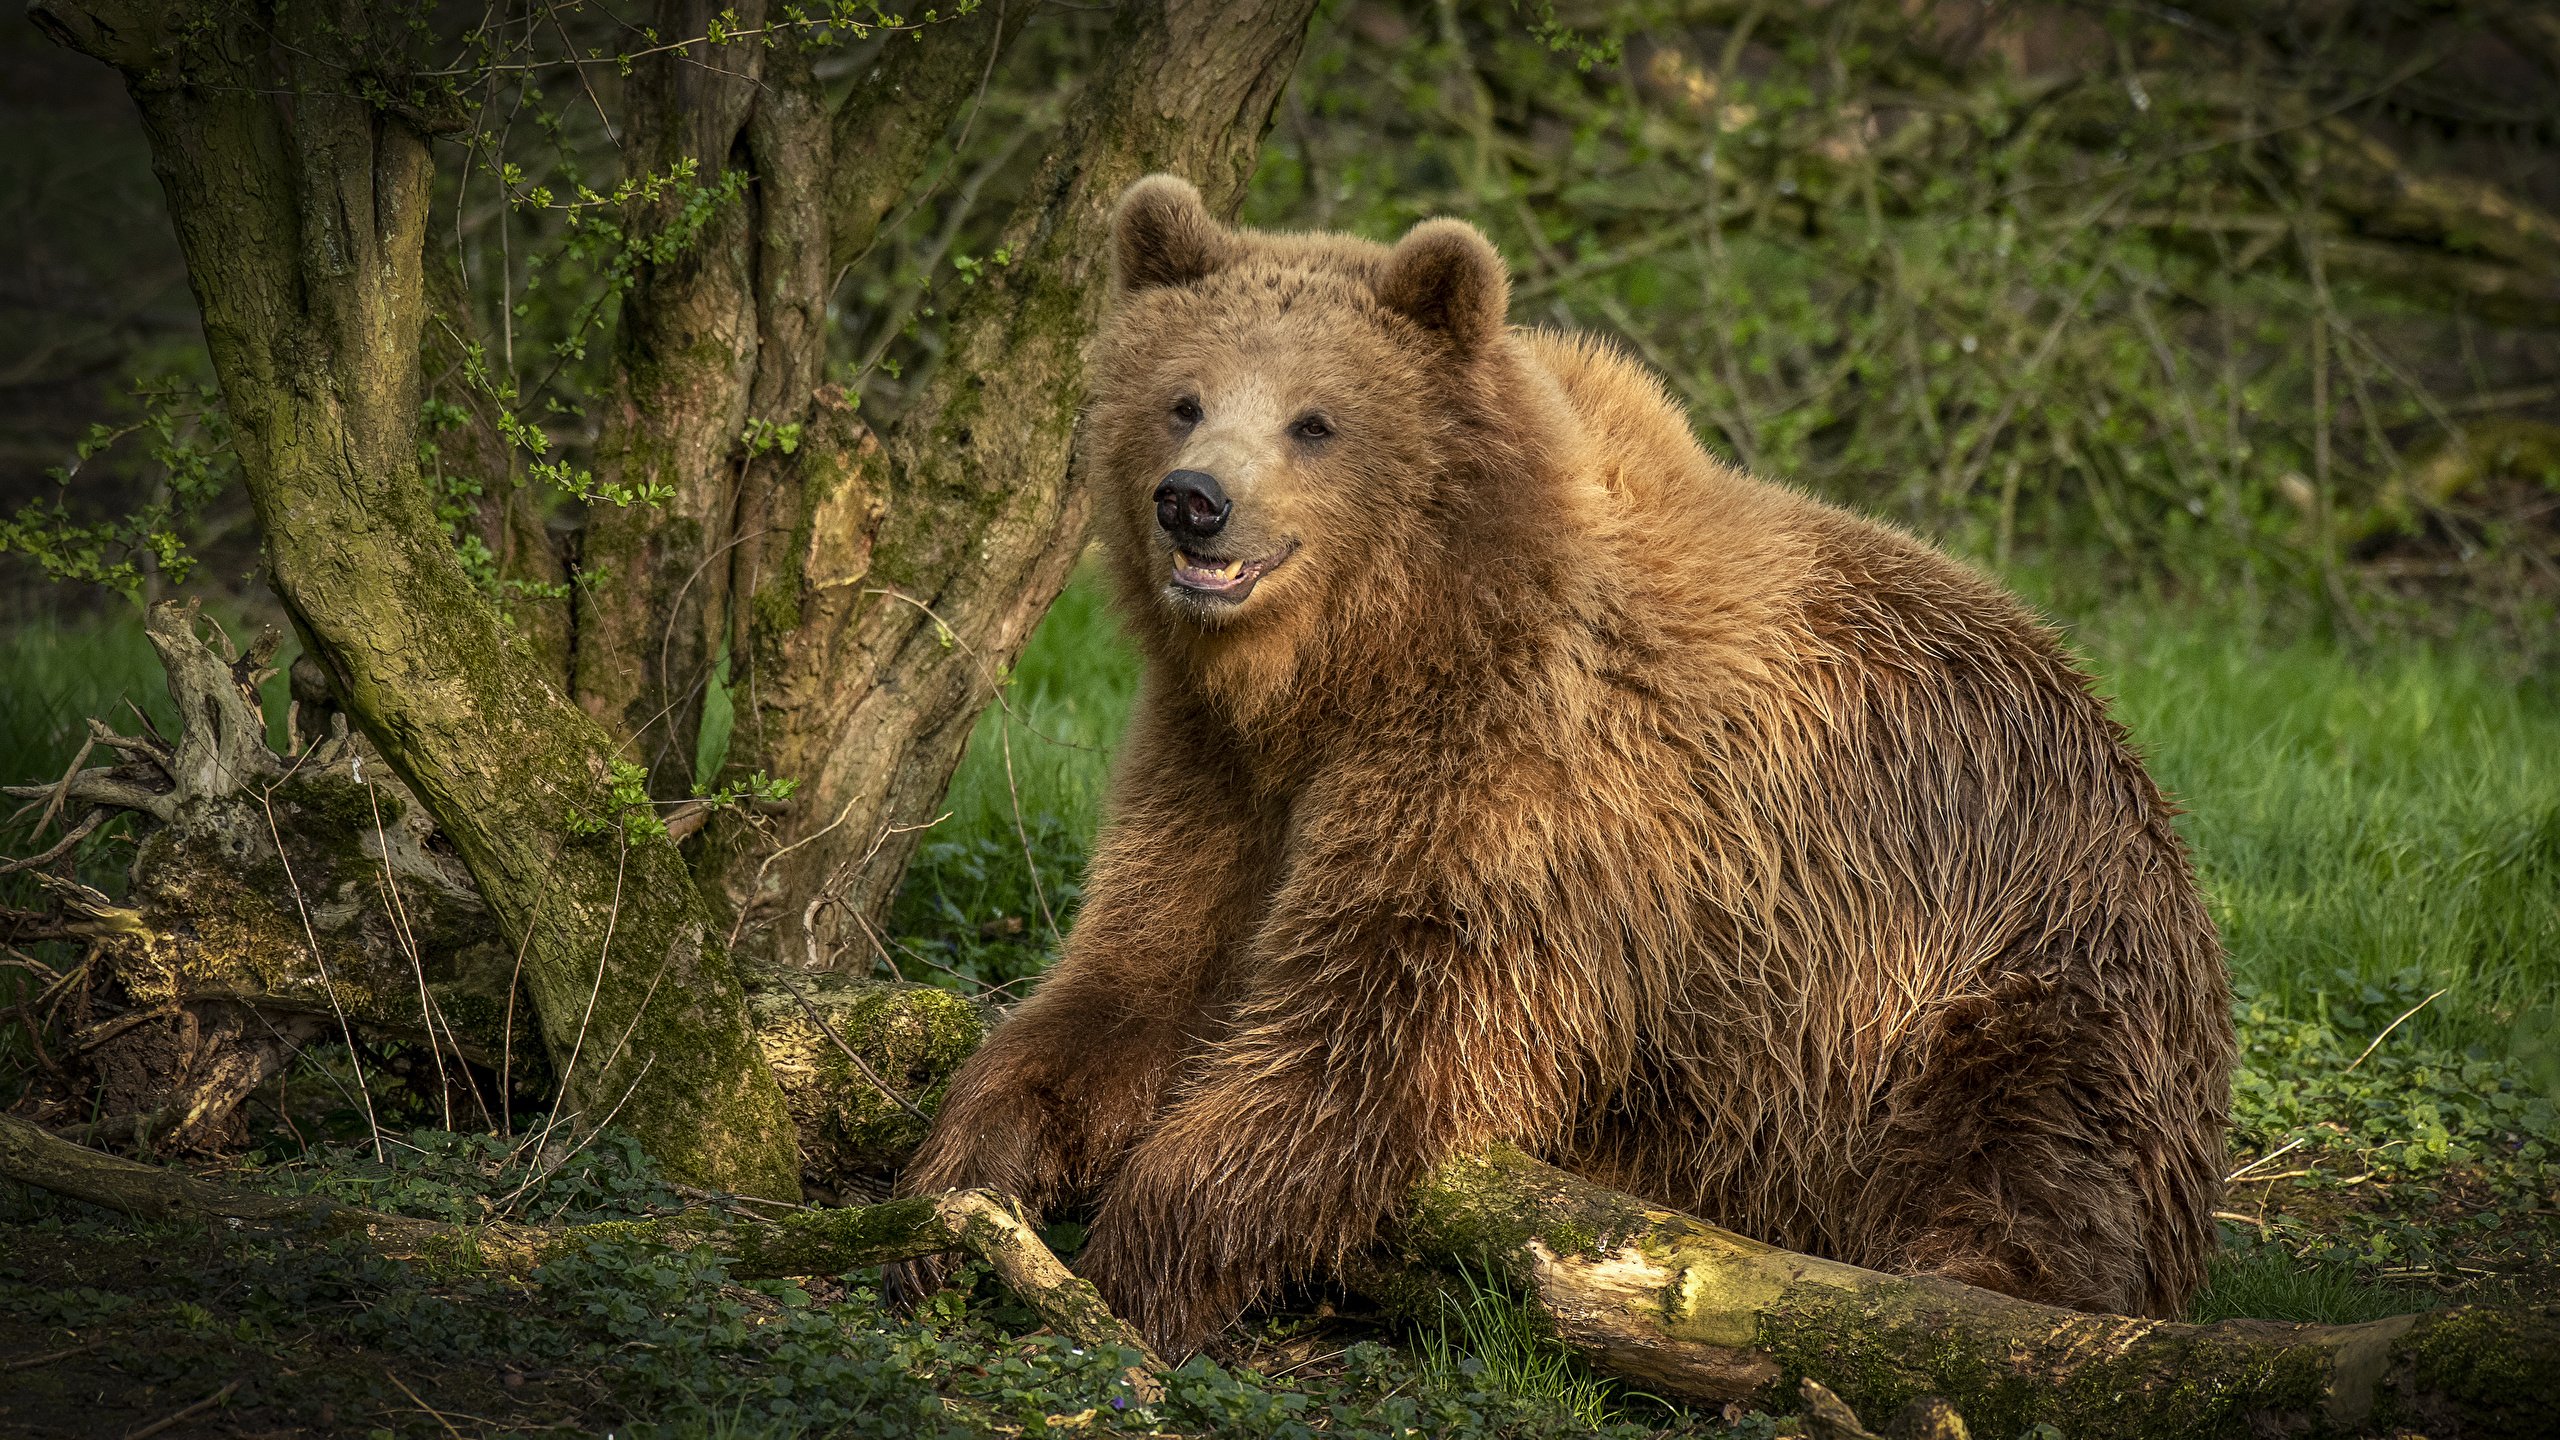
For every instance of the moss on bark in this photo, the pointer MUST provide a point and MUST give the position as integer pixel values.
(303, 225)
(1692, 1310)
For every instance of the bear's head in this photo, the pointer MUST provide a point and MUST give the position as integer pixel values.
(1289, 434)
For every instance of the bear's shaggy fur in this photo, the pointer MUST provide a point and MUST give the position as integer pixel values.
(1557, 784)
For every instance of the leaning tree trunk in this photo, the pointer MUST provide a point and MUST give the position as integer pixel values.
(301, 207)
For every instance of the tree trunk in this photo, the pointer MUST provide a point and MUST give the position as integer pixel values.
(303, 225)
(791, 540)
(869, 590)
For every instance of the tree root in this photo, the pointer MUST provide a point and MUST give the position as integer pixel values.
(801, 1242)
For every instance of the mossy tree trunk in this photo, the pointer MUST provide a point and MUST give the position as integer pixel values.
(295, 148)
(301, 205)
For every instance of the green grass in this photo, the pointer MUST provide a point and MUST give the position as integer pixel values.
(2364, 819)
(2268, 1284)
(57, 676)
(1495, 1341)
(971, 906)
(2366, 822)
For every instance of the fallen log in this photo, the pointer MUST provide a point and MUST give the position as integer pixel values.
(1686, 1309)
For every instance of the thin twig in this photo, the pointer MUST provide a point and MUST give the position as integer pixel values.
(192, 1411)
(33, 1361)
(507, 1031)
(2269, 1158)
(62, 788)
(755, 888)
(568, 1072)
(311, 938)
(1022, 832)
(417, 962)
(2386, 1032)
(421, 1404)
(87, 827)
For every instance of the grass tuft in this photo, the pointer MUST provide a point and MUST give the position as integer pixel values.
(2265, 1283)
(1494, 1341)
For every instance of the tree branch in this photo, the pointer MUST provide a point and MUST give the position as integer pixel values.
(2386, 194)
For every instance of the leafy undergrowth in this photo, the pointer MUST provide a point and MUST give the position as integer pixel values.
(2378, 1178)
(2375, 1161)
(300, 1336)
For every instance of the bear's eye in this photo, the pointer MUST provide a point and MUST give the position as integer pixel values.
(1312, 427)
(1187, 410)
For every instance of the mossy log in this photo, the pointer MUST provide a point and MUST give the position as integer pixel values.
(1686, 1309)
(799, 1242)
(1679, 1307)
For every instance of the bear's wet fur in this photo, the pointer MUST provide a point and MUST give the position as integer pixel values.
(1561, 785)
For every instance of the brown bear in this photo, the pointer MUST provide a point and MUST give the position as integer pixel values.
(1508, 769)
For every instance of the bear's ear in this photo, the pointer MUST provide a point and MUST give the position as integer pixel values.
(1162, 235)
(1445, 276)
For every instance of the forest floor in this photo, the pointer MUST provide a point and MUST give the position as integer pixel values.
(2378, 825)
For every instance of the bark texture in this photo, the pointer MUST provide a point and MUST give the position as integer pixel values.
(881, 583)
(1687, 1309)
(304, 227)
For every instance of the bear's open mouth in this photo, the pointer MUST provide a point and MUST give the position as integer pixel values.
(1225, 579)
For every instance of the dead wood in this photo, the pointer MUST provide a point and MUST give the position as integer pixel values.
(277, 898)
(1678, 1306)
(1683, 1308)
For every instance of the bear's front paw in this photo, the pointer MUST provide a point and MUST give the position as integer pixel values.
(1176, 1271)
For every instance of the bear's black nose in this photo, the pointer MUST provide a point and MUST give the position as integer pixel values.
(1190, 506)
